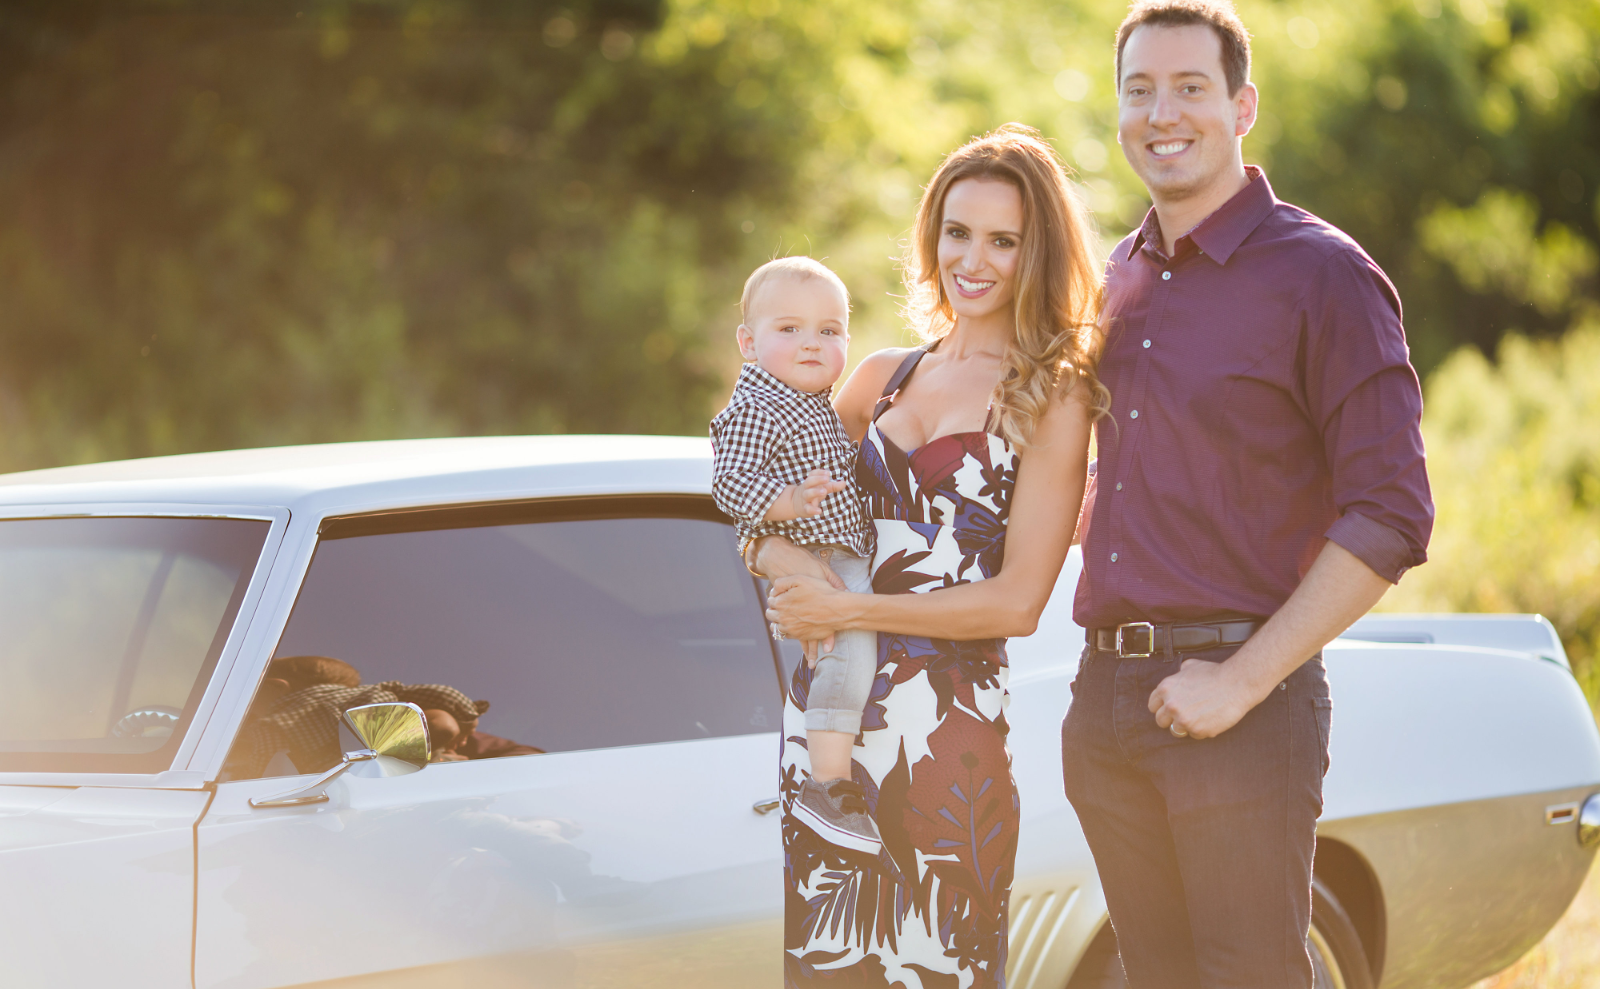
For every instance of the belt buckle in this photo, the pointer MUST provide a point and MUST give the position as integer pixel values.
(1149, 631)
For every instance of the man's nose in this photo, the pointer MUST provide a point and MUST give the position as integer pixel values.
(1163, 109)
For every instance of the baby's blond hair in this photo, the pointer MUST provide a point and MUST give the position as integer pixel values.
(794, 267)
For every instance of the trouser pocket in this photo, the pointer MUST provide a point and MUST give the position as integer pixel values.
(1322, 708)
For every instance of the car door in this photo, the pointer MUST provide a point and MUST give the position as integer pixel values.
(111, 629)
(620, 636)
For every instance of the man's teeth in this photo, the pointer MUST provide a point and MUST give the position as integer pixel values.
(968, 285)
(1169, 149)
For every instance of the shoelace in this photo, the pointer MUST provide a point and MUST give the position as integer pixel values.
(852, 798)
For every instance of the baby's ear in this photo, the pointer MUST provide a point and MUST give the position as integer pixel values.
(746, 338)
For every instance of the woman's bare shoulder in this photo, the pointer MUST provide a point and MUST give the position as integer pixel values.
(860, 394)
(877, 368)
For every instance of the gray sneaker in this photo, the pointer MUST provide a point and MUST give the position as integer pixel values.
(837, 811)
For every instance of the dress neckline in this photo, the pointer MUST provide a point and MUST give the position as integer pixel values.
(927, 443)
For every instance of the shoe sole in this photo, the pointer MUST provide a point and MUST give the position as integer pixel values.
(836, 836)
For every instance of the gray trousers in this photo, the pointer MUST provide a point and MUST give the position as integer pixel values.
(842, 680)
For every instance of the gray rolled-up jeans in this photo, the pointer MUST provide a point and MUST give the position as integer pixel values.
(842, 680)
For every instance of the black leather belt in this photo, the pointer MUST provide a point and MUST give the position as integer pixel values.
(1140, 640)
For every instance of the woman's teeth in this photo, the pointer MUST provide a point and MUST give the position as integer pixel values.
(968, 285)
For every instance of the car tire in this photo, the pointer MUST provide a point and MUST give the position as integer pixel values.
(1338, 960)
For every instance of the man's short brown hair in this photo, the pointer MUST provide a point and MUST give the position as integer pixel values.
(1218, 15)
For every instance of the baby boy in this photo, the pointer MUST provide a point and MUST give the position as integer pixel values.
(785, 466)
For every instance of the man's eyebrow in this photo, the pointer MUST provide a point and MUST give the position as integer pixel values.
(1146, 76)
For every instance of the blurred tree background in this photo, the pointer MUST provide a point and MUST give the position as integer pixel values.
(239, 222)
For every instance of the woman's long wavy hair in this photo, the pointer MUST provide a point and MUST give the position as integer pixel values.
(1058, 290)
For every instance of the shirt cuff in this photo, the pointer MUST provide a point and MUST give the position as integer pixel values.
(1380, 547)
(759, 495)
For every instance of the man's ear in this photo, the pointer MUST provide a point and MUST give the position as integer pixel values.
(1246, 102)
(746, 338)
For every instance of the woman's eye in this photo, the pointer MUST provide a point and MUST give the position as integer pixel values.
(1006, 242)
(957, 233)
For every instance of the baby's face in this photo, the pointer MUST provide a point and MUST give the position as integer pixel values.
(798, 330)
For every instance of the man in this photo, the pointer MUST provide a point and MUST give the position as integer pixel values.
(1260, 484)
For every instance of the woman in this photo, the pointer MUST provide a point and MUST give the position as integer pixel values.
(980, 435)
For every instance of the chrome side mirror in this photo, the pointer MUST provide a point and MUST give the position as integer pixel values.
(378, 739)
(1589, 822)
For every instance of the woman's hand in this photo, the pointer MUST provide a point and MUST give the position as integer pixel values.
(776, 557)
(807, 608)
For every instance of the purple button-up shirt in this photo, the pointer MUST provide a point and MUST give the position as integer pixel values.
(1262, 400)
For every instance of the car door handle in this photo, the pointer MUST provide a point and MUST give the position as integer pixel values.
(766, 806)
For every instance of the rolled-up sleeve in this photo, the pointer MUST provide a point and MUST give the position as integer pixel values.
(743, 441)
(1362, 390)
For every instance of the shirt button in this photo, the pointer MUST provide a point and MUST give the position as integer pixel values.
(1134, 414)
(1119, 485)
(1147, 345)
(1113, 557)
(1166, 276)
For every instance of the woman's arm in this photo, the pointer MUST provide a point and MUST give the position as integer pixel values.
(1044, 514)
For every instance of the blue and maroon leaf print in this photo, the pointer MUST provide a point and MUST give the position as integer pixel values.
(980, 535)
(895, 576)
(937, 461)
(932, 906)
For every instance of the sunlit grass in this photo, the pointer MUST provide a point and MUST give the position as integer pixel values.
(1568, 957)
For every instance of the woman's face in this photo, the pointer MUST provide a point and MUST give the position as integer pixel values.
(980, 239)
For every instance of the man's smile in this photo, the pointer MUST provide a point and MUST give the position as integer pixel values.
(1167, 149)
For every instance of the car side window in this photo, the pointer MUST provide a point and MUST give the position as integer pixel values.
(546, 635)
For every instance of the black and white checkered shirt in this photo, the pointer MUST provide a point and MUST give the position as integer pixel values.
(771, 436)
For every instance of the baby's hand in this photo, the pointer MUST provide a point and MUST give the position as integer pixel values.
(809, 494)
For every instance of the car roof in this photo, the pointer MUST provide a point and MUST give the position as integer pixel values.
(361, 476)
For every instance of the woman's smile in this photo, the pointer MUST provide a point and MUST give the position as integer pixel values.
(972, 288)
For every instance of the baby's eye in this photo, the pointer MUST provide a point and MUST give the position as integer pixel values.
(788, 329)
(830, 331)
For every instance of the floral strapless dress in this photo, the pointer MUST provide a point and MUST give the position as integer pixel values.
(930, 911)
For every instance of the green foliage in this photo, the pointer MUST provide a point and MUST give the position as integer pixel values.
(1514, 460)
(221, 231)
(227, 223)
(1405, 122)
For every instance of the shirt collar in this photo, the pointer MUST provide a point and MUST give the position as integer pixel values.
(1221, 233)
(754, 376)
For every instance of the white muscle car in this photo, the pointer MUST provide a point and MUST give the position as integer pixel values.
(168, 820)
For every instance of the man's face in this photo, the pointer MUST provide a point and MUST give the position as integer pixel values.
(1178, 126)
